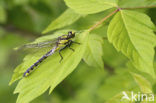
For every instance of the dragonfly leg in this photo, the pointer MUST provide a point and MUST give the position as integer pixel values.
(71, 48)
(61, 54)
(70, 45)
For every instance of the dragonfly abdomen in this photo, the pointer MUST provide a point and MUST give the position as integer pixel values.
(34, 65)
(39, 61)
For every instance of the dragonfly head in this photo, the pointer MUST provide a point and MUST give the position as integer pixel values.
(71, 34)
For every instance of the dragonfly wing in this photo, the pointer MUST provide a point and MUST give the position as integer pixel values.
(44, 44)
(39, 45)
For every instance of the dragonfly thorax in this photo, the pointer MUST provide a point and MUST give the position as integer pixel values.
(65, 38)
(70, 35)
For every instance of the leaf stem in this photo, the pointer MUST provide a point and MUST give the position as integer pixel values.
(140, 7)
(102, 20)
(105, 18)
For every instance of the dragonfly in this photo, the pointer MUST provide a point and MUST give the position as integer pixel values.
(62, 42)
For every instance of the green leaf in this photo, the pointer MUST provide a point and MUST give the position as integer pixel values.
(67, 18)
(94, 52)
(49, 73)
(134, 37)
(136, 3)
(144, 84)
(90, 6)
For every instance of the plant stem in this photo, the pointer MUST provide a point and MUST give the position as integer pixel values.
(140, 7)
(105, 18)
(102, 20)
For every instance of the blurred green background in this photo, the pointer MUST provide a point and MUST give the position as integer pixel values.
(21, 21)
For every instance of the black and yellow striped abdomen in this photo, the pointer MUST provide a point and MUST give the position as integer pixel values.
(29, 70)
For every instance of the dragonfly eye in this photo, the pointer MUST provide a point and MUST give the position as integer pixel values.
(71, 34)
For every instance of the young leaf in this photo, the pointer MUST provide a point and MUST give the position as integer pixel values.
(49, 73)
(131, 33)
(144, 84)
(90, 6)
(67, 18)
(94, 52)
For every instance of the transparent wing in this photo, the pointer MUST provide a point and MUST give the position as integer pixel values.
(40, 45)
(37, 46)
